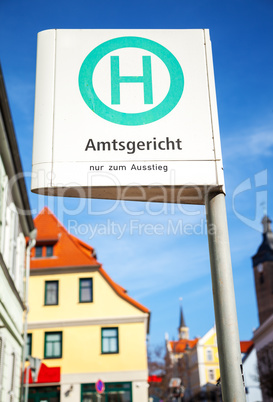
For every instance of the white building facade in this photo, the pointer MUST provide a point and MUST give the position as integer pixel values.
(251, 376)
(15, 225)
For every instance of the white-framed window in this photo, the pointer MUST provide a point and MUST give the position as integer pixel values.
(209, 355)
(211, 375)
(3, 205)
(20, 274)
(13, 236)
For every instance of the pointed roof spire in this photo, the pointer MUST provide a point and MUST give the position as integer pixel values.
(266, 224)
(183, 330)
(182, 320)
(265, 251)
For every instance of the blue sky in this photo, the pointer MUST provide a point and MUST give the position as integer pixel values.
(158, 269)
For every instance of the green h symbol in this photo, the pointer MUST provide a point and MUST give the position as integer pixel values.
(146, 79)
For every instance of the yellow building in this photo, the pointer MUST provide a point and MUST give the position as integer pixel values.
(195, 365)
(195, 362)
(202, 366)
(83, 323)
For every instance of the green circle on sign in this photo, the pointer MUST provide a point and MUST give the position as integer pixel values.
(131, 119)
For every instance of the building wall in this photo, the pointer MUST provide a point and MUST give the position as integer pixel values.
(12, 259)
(12, 240)
(15, 225)
(208, 358)
(194, 371)
(81, 349)
(106, 303)
(203, 360)
(138, 379)
(201, 364)
(264, 347)
(80, 323)
(251, 377)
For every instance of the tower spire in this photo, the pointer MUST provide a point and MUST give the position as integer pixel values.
(182, 321)
(263, 272)
(266, 221)
(183, 330)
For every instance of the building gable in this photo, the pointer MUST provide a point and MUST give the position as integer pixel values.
(72, 258)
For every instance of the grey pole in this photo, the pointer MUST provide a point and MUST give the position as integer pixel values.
(224, 300)
(27, 385)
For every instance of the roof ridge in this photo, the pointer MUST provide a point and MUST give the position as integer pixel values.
(81, 242)
(121, 291)
(76, 241)
(50, 213)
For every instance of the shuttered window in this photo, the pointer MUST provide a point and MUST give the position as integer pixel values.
(3, 204)
(13, 240)
(13, 362)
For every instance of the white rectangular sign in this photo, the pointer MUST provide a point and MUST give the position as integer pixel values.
(126, 114)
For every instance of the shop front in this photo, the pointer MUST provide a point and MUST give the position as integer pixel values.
(45, 387)
(44, 394)
(113, 392)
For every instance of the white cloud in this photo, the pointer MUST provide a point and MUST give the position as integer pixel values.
(254, 143)
(261, 143)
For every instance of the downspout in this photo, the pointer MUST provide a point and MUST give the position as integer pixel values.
(31, 244)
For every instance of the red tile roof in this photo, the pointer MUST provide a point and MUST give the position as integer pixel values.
(246, 346)
(180, 346)
(69, 251)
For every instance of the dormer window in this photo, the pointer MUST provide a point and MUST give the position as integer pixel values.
(38, 251)
(44, 251)
(49, 251)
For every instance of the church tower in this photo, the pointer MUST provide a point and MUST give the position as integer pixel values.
(263, 272)
(183, 331)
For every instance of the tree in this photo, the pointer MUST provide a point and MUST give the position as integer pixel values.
(160, 366)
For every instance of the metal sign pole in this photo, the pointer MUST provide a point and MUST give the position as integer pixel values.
(224, 300)
(26, 384)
